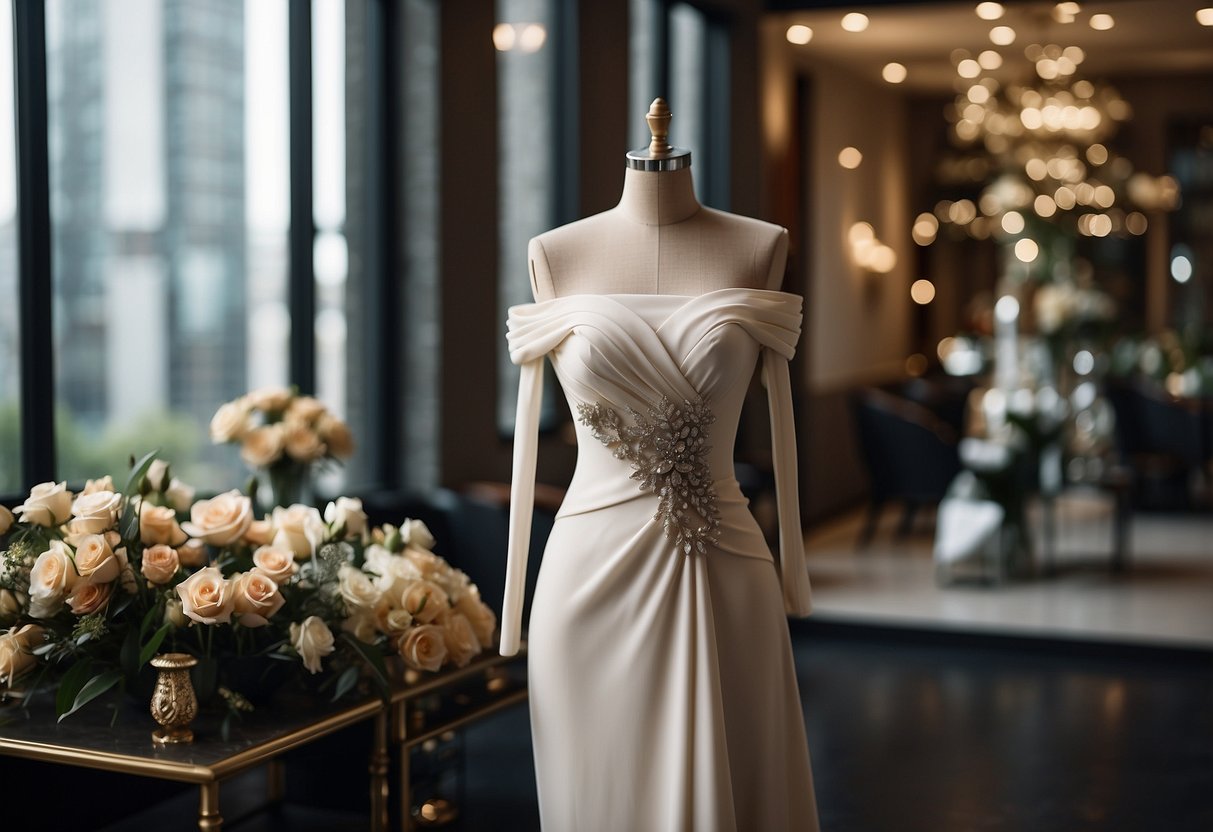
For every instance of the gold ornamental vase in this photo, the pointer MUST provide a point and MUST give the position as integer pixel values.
(174, 705)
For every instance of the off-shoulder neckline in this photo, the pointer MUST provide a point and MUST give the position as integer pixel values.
(665, 295)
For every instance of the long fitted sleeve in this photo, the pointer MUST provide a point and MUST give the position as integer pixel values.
(522, 501)
(796, 591)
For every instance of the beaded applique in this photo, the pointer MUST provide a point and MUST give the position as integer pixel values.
(667, 450)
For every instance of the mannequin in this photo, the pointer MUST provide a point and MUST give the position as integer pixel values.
(657, 229)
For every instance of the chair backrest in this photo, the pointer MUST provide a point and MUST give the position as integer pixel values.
(909, 453)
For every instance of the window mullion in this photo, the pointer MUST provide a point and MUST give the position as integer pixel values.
(302, 289)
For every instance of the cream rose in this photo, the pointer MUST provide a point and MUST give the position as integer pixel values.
(230, 422)
(428, 564)
(160, 563)
(276, 564)
(96, 561)
(192, 553)
(347, 513)
(336, 435)
(479, 615)
(87, 598)
(416, 533)
(48, 504)
(263, 446)
(16, 652)
(179, 495)
(105, 483)
(361, 625)
(256, 598)
(312, 640)
(155, 474)
(158, 524)
(206, 597)
(127, 579)
(462, 644)
(299, 528)
(6, 520)
(173, 613)
(269, 399)
(51, 578)
(394, 619)
(96, 512)
(423, 648)
(425, 601)
(10, 606)
(301, 441)
(356, 588)
(220, 520)
(259, 533)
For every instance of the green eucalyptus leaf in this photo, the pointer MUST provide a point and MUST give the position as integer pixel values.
(71, 683)
(95, 686)
(153, 644)
(346, 682)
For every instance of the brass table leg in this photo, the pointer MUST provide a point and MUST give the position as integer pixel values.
(209, 819)
(404, 798)
(379, 771)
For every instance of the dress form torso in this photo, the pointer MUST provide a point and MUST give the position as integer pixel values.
(657, 240)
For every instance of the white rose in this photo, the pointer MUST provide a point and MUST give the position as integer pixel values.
(397, 576)
(50, 579)
(361, 625)
(425, 601)
(299, 528)
(105, 483)
(160, 563)
(423, 648)
(346, 512)
(312, 640)
(262, 446)
(179, 495)
(6, 520)
(230, 422)
(48, 504)
(206, 597)
(416, 533)
(269, 399)
(301, 441)
(278, 564)
(462, 644)
(376, 559)
(256, 598)
(96, 512)
(356, 588)
(220, 520)
(155, 474)
(95, 560)
(158, 524)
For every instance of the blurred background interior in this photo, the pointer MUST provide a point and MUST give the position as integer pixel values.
(1001, 220)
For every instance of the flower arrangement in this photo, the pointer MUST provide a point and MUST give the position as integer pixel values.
(94, 584)
(284, 435)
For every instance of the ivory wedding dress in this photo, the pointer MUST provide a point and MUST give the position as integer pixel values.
(663, 692)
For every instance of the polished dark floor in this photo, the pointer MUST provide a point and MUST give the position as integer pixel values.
(913, 733)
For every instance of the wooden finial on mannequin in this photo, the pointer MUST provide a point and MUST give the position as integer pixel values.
(659, 155)
(658, 117)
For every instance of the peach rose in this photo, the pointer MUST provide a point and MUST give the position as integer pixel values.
(263, 446)
(479, 615)
(11, 605)
(230, 422)
(96, 512)
(6, 520)
(269, 399)
(392, 618)
(336, 436)
(105, 483)
(416, 533)
(220, 520)
(88, 598)
(259, 533)
(192, 553)
(179, 495)
(312, 640)
(160, 563)
(95, 560)
(423, 648)
(256, 598)
(305, 409)
(299, 528)
(357, 590)
(206, 597)
(361, 625)
(425, 601)
(48, 504)
(51, 578)
(276, 564)
(16, 652)
(346, 513)
(460, 639)
(301, 441)
(158, 524)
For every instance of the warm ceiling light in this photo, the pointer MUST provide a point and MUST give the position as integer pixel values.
(989, 11)
(1102, 22)
(532, 37)
(1204, 17)
(504, 37)
(1005, 35)
(893, 72)
(850, 157)
(922, 292)
(1066, 12)
(855, 22)
(1026, 250)
(989, 59)
(1012, 222)
(799, 34)
(968, 68)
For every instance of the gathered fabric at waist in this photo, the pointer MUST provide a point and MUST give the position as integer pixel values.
(739, 532)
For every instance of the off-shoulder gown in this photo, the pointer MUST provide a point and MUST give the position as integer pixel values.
(663, 694)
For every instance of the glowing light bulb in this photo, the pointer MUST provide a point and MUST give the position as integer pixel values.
(989, 11)
(799, 34)
(1102, 22)
(850, 157)
(893, 72)
(1002, 35)
(854, 22)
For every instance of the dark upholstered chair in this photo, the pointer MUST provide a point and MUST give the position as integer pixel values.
(910, 455)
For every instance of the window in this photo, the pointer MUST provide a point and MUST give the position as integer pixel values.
(10, 322)
(167, 134)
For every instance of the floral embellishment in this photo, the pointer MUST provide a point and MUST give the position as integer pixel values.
(667, 448)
